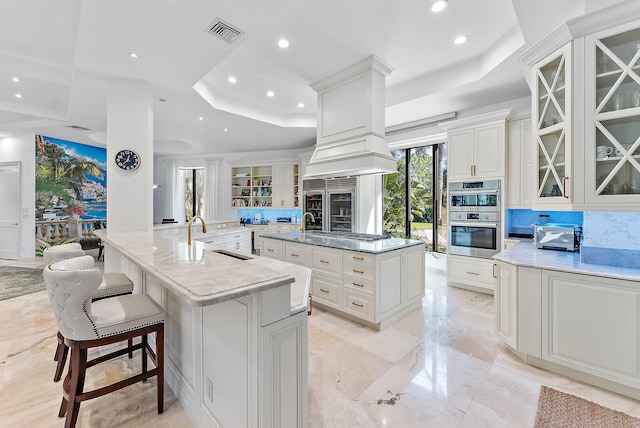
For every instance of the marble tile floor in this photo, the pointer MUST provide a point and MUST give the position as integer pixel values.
(440, 366)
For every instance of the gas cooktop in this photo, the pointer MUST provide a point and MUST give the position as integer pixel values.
(353, 235)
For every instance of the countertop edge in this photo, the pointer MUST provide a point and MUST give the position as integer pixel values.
(341, 244)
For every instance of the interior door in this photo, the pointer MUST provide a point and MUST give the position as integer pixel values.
(10, 192)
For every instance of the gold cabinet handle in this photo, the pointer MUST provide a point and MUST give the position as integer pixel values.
(357, 271)
(358, 285)
(358, 258)
(471, 172)
(357, 304)
(270, 250)
(324, 261)
(473, 273)
(324, 291)
(564, 187)
(493, 273)
(294, 255)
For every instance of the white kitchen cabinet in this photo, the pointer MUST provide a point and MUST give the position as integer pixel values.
(257, 240)
(476, 146)
(506, 303)
(264, 186)
(326, 276)
(236, 241)
(591, 324)
(471, 273)
(297, 253)
(612, 110)
(519, 182)
(272, 248)
(283, 186)
(585, 85)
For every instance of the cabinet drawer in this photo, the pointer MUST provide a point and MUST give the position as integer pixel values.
(271, 248)
(360, 271)
(468, 270)
(326, 291)
(358, 304)
(299, 254)
(361, 284)
(327, 261)
(358, 258)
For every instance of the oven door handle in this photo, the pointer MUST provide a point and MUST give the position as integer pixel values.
(473, 192)
(473, 224)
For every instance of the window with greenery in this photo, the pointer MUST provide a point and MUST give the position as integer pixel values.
(193, 192)
(414, 202)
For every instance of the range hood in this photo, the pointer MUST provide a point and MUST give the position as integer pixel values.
(350, 136)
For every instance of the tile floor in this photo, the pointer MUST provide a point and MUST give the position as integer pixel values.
(440, 366)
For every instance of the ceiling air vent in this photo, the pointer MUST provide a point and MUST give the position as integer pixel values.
(224, 31)
(78, 128)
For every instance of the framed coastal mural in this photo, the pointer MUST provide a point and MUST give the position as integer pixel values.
(71, 180)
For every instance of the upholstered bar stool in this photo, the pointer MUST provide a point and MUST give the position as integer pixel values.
(87, 324)
(113, 284)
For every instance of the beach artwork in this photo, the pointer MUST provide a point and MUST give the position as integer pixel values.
(71, 180)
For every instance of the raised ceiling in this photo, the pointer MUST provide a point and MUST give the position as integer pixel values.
(65, 52)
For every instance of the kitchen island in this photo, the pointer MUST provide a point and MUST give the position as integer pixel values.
(577, 319)
(360, 277)
(236, 327)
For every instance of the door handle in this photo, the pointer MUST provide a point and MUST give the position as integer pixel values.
(564, 187)
(494, 270)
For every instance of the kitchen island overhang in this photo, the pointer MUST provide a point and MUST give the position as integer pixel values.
(237, 328)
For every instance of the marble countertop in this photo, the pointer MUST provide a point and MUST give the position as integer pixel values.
(203, 276)
(374, 247)
(526, 254)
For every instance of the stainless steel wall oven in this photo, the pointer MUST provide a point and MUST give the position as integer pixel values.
(475, 218)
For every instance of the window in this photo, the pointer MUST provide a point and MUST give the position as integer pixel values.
(193, 179)
(414, 205)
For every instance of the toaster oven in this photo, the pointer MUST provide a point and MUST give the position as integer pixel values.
(558, 236)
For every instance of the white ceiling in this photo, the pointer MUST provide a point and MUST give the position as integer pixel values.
(65, 52)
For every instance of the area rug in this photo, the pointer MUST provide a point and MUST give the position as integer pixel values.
(16, 281)
(558, 409)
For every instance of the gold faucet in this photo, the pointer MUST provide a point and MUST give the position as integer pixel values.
(204, 227)
(303, 215)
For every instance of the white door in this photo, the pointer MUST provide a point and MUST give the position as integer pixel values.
(10, 210)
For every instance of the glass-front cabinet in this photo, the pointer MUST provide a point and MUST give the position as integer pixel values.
(552, 109)
(612, 160)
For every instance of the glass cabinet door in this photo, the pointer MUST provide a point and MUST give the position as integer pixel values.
(552, 114)
(613, 111)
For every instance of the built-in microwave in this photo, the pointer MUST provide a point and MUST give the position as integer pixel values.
(474, 196)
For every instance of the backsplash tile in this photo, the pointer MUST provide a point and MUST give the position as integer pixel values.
(615, 230)
(610, 257)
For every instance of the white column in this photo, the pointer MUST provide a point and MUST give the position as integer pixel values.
(130, 126)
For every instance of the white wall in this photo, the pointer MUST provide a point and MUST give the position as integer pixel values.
(22, 148)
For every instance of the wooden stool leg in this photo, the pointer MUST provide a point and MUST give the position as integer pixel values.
(78, 368)
(130, 344)
(145, 344)
(62, 359)
(58, 347)
(160, 366)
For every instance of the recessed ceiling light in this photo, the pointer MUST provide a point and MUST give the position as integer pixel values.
(232, 79)
(16, 80)
(18, 95)
(134, 55)
(460, 40)
(225, 129)
(300, 105)
(438, 6)
(283, 43)
(270, 93)
(200, 118)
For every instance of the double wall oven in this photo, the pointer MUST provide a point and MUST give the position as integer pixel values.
(474, 218)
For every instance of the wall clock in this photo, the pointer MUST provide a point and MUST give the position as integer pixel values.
(127, 160)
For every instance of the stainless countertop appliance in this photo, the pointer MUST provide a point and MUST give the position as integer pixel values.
(558, 236)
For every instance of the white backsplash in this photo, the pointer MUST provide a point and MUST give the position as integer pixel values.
(619, 230)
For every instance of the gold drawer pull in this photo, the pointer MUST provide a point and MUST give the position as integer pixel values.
(324, 291)
(473, 273)
(358, 258)
(357, 285)
(357, 271)
(294, 255)
(237, 236)
(357, 304)
(324, 261)
(270, 250)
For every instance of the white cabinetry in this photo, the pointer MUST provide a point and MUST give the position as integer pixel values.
(284, 189)
(471, 273)
(506, 295)
(374, 289)
(476, 146)
(585, 85)
(237, 241)
(592, 324)
(264, 186)
(519, 182)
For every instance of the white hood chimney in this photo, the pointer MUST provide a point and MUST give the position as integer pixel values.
(350, 136)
